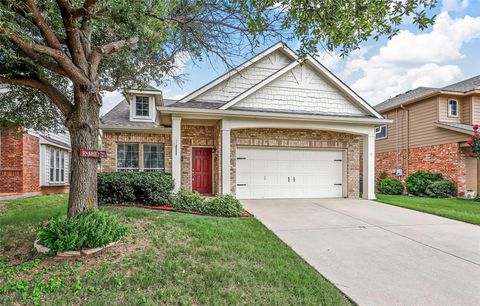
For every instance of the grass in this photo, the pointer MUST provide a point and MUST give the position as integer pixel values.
(168, 258)
(458, 209)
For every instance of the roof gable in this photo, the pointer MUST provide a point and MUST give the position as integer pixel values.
(230, 84)
(300, 89)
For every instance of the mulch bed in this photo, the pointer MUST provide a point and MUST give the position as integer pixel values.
(168, 207)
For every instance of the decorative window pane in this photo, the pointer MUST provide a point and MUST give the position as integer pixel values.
(453, 108)
(153, 157)
(381, 132)
(127, 157)
(142, 106)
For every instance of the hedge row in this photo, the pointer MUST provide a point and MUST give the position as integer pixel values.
(149, 188)
(421, 184)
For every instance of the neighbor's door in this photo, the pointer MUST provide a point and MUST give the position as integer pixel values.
(202, 170)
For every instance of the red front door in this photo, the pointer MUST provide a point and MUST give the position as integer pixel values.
(202, 170)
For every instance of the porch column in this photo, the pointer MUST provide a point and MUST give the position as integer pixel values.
(226, 162)
(369, 166)
(177, 152)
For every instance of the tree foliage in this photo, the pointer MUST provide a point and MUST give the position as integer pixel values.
(132, 43)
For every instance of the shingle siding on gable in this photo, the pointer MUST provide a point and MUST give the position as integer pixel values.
(245, 79)
(301, 90)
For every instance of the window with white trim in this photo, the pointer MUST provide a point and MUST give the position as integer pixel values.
(127, 157)
(153, 157)
(57, 166)
(453, 108)
(142, 106)
(381, 132)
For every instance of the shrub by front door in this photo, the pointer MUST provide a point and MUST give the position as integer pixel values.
(202, 170)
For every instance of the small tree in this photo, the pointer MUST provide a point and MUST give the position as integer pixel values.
(474, 143)
(66, 52)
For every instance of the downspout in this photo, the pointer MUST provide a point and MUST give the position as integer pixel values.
(407, 131)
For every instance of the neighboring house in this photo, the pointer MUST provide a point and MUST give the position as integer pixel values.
(34, 163)
(271, 128)
(429, 130)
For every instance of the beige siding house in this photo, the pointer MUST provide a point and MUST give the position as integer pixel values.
(274, 127)
(429, 130)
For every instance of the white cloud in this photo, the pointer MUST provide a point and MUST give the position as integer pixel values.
(454, 5)
(110, 99)
(408, 60)
(328, 59)
(177, 96)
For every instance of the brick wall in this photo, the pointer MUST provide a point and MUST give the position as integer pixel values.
(198, 136)
(110, 139)
(447, 159)
(19, 163)
(301, 139)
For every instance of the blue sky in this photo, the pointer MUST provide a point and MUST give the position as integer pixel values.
(445, 53)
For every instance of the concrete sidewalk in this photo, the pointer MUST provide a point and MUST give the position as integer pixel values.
(379, 254)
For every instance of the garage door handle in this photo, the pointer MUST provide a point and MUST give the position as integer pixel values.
(337, 184)
(241, 184)
(294, 179)
(289, 179)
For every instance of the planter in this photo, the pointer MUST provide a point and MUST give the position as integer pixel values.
(83, 252)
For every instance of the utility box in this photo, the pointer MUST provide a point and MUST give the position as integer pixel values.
(398, 172)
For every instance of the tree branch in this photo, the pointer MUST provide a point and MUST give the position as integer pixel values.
(46, 88)
(65, 63)
(42, 25)
(85, 10)
(73, 37)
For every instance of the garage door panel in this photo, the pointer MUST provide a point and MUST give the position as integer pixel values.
(288, 173)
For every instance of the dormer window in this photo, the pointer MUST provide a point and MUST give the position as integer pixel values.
(142, 106)
(452, 108)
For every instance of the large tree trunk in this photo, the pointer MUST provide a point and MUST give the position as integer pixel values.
(83, 128)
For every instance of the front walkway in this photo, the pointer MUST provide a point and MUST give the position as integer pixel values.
(379, 254)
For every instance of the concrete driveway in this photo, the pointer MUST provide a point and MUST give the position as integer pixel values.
(379, 254)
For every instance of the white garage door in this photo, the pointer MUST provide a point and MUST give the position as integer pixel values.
(266, 173)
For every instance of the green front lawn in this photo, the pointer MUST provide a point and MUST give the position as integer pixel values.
(458, 209)
(168, 258)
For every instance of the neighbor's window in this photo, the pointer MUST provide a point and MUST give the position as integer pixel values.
(142, 106)
(453, 108)
(153, 157)
(57, 166)
(127, 157)
(381, 132)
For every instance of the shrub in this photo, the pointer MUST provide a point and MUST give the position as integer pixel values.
(391, 186)
(223, 206)
(90, 229)
(418, 182)
(441, 189)
(115, 188)
(189, 201)
(150, 188)
(382, 176)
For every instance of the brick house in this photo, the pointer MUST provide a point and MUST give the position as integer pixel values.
(429, 130)
(33, 163)
(273, 127)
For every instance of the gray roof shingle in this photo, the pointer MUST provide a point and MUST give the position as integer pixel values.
(405, 97)
(419, 92)
(465, 85)
(120, 116)
(197, 104)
